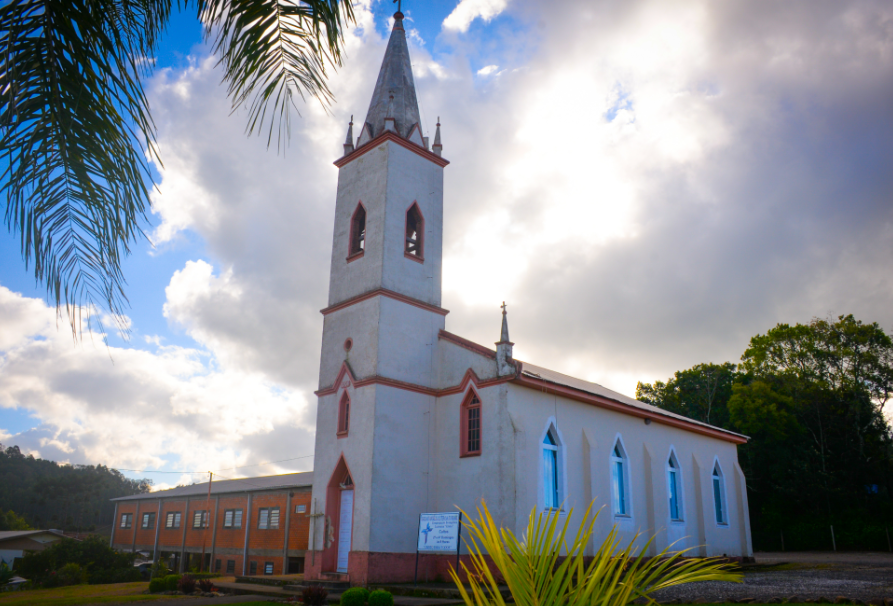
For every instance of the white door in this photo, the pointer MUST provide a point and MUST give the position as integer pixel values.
(344, 528)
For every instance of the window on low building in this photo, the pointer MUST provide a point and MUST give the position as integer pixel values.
(552, 458)
(268, 518)
(217, 565)
(232, 518)
(149, 520)
(470, 434)
(358, 231)
(300, 508)
(172, 520)
(252, 568)
(126, 520)
(200, 519)
(719, 495)
(344, 414)
(230, 566)
(415, 230)
(620, 479)
(268, 567)
(674, 487)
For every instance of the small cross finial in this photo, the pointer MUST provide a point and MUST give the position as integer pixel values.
(503, 306)
(399, 4)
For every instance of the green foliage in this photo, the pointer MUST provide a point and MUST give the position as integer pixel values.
(186, 584)
(205, 585)
(71, 574)
(811, 398)
(355, 596)
(6, 574)
(33, 487)
(77, 131)
(159, 569)
(11, 521)
(171, 582)
(102, 563)
(547, 566)
(381, 597)
(157, 585)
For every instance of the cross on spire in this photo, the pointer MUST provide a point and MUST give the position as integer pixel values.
(399, 4)
(503, 306)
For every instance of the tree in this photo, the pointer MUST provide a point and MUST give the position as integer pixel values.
(77, 127)
(700, 393)
(11, 521)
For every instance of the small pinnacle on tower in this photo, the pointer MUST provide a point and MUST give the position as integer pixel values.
(437, 148)
(504, 364)
(348, 142)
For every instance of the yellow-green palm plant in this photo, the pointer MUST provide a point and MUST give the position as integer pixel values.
(543, 569)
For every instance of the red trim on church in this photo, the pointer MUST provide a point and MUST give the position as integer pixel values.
(469, 377)
(470, 345)
(390, 136)
(384, 292)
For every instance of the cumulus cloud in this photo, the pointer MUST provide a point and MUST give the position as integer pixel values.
(650, 188)
(469, 10)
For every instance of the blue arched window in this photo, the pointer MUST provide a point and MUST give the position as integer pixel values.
(551, 470)
(620, 479)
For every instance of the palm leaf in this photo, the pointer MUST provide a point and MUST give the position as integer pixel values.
(274, 51)
(544, 569)
(73, 122)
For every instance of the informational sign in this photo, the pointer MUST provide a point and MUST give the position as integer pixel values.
(439, 532)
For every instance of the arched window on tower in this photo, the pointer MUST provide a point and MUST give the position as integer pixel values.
(719, 495)
(471, 425)
(553, 489)
(358, 231)
(415, 233)
(344, 415)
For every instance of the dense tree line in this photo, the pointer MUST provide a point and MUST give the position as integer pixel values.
(811, 397)
(68, 497)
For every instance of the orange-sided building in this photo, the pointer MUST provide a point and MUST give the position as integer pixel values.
(254, 526)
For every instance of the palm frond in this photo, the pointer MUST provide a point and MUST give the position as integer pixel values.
(545, 569)
(274, 51)
(73, 122)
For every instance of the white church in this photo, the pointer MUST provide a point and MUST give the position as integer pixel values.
(414, 419)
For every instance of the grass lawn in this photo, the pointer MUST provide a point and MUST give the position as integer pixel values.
(81, 594)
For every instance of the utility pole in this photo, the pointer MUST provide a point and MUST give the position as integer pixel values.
(201, 567)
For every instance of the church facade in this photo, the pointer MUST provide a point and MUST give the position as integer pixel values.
(413, 419)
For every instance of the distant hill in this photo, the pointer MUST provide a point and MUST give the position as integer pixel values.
(68, 497)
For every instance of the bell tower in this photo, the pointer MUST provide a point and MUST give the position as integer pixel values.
(381, 324)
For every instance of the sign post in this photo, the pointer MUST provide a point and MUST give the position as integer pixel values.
(438, 533)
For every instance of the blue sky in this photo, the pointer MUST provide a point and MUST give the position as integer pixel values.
(668, 179)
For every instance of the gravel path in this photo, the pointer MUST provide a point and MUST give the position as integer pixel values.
(863, 576)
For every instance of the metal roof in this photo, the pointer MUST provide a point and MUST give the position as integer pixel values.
(550, 376)
(288, 480)
(15, 534)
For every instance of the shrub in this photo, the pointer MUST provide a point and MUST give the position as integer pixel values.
(102, 563)
(380, 597)
(355, 596)
(171, 582)
(157, 585)
(71, 574)
(159, 570)
(186, 584)
(314, 595)
(206, 585)
(6, 574)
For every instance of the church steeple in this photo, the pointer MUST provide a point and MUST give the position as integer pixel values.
(504, 364)
(394, 98)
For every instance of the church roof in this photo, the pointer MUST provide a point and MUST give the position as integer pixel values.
(550, 376)
(394, 95)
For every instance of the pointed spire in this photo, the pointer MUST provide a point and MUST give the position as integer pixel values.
(437, 148)
(348, 142)
(395, 87)
(504, 365)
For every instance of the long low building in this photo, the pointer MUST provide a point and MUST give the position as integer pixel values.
(253, 526)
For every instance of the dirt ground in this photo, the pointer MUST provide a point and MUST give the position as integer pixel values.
(806, 575)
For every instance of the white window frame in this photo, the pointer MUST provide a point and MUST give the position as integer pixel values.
(232, 518)
(720, 516)
(172, 519)
(265, 518)
(674, 476)
(560, 465)
(627, 511)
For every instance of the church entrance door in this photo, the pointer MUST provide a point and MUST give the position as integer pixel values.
(345, 524)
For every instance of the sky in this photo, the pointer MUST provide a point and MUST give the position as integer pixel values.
(647, 184)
